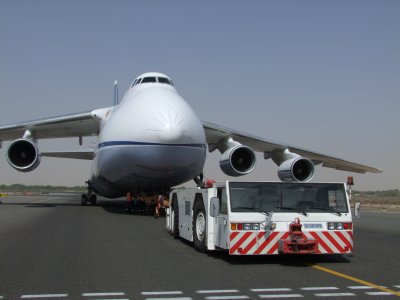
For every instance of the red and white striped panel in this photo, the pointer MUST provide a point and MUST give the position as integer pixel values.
(332, 241)
(254, 243)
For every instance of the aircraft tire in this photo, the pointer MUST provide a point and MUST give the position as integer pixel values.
(199, 226)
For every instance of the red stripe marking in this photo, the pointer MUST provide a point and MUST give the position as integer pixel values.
(313, 238)
(285, 236)
(239, 242)
(250, 245)
(233, 235)
(333, 241)
(345, 240)
(273, 248)
(266, 242)
(276, 245)
(321, 242)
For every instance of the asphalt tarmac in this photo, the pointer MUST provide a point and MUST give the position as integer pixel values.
(52, 248)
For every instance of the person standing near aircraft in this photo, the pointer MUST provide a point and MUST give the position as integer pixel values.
(129, 202)
(159, 203)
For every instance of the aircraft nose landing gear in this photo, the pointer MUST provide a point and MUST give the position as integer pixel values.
(90, 196)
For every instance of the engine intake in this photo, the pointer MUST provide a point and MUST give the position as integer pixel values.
(23, 155)
(296, 169)
(237, 161)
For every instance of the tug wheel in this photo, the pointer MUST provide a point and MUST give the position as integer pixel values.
(199, 226)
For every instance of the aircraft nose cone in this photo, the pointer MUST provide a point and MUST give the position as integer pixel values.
(170, 134)
(169, 126)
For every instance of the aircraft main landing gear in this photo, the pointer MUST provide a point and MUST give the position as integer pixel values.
(89, 197)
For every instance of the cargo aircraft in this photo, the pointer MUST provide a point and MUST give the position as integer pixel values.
(152, 140)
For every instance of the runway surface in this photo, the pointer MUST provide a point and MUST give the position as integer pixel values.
(52, 248)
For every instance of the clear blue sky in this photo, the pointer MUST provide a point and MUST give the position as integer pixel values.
(323, 75)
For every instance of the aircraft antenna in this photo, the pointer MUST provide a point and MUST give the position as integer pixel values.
(116, 98)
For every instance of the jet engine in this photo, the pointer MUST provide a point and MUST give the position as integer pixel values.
(296, 169)
(237, 161)
(23, 155)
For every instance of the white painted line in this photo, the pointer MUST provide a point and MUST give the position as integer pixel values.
(112, 294)
(334, 294)
(175, 298)
(379, 293)
(162, 293)
(322, 288)
(44, 296)
(216, 291)
(228, 297)
(271, 290)
(109, 298)
(281, 296)
(397, 286)
(360, 287)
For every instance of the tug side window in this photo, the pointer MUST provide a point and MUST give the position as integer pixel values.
(223, 201)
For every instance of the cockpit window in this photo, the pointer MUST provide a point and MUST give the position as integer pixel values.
(154, 79)
(149, 79)
(164, 80)
(137, 81)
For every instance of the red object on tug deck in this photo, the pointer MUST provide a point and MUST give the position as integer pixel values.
(297, 244)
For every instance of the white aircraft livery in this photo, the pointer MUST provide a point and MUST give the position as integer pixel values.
(152, 140)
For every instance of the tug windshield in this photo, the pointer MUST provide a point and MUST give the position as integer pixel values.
(288, 197)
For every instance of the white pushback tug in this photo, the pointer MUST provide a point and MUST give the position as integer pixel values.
(264, 218)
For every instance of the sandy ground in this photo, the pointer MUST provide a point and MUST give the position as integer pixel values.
(378, 203)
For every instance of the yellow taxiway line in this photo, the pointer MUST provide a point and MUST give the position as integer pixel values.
(348, 277)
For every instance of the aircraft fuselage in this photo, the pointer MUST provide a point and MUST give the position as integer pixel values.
(151, 140)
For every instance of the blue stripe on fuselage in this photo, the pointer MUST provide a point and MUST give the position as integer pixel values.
(128, 143)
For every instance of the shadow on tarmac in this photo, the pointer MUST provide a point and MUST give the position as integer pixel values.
(116, 206)
(38, 205)
(300, 261)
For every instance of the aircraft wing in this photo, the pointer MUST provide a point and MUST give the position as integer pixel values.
(75, 125)
(88, 154)
(215, 134)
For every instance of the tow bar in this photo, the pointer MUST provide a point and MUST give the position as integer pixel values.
(297, 243)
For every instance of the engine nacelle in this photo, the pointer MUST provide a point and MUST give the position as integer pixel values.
(237, 161)
(23, 155)
(296, 169)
